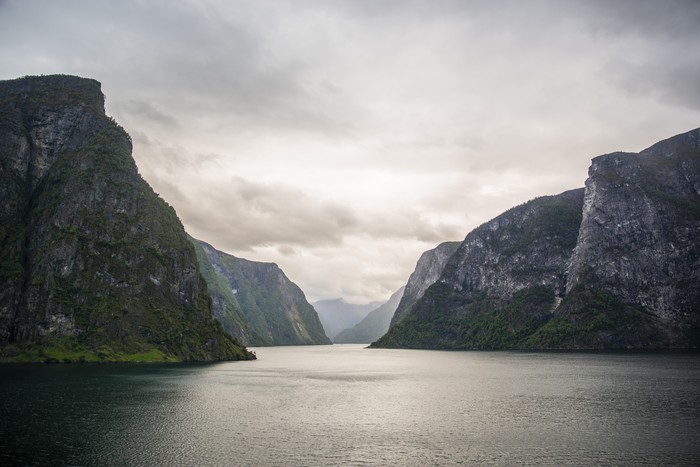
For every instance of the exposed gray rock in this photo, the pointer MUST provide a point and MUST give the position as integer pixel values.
(427, 271)
(520, 257)
(640, 234)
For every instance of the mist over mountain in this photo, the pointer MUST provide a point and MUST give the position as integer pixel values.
(336, 314)
(374, 325)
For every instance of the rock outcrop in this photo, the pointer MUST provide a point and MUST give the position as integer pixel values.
(94, 265)
(374, 325)
(257, 303)
(428, 270)
(616, 268)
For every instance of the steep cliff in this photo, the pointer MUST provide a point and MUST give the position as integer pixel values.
(94, 265)
(374, 325)
(634, 279)
(428, 270)
(274, 308)
(502, 282)
(619, 268)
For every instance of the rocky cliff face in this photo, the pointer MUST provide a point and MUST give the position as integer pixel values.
(619, 268)
(639, 245)
(95, 265)
(374, 325)
(500, 284)
(427, 271)
(273, 308)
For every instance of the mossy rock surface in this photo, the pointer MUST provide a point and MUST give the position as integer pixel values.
(96, 266)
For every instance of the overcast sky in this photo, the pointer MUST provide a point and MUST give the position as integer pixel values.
(340, 139)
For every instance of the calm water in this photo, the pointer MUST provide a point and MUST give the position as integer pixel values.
(345, 405)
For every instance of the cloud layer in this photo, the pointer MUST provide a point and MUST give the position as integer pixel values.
(341, 139)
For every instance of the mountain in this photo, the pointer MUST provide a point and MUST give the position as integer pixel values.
(337, 314)
(634, 279)
(427, 271)
(501, 282)
(94, 265)
(377, 323)
(614, 266)
(256, 302)
(374, 325)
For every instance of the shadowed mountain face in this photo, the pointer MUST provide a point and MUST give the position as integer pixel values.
(374, 325)
(256, 302)
(94, 265)
(616, 268)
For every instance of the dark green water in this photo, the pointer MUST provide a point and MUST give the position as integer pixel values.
(345, 405)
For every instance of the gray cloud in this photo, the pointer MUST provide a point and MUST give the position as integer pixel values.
(675, 84)
(669, 20)
(147, 113)
(659, 59)
(243, 215)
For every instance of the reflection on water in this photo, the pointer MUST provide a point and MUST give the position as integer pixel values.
(353, 406)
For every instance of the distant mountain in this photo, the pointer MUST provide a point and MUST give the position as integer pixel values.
(337, 314)
(256, 302)
(94, 266)
(374, 325)
(616, 266)
(377, 323)
(427, 271)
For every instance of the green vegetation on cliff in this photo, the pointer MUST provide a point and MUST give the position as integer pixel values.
(447, 321)
(99, 267)
(256, 302)
(224, 304)
(501, 284)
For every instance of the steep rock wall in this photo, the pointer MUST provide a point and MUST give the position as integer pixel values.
(640, 240)
(94, 264)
